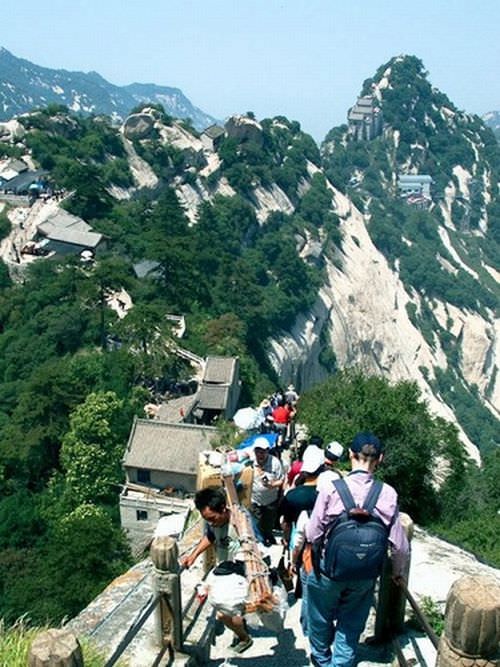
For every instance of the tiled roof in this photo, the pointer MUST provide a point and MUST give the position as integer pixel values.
(25, 179)
(174, 410)
(157, 445)
(64, 220)
(212, 397)
(414, 178)
(73, 236)
(145, 267)
(214, 131)
(219, 370)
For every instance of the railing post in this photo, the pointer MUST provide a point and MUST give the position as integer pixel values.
(164, 554)
(472, 624)
(55, 648)
(390, 614)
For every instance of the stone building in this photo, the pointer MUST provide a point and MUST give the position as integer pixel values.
(212, 137)
(66, 234)
(365, 119)
(414, 185)
(160, 465)
(219, 391)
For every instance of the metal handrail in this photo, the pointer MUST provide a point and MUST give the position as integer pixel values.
(132, 631)
(420, 616)
(137, 625)
(403, 662)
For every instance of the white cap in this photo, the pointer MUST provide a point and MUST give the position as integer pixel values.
(334, 450)
(312, 459)
(261, 443)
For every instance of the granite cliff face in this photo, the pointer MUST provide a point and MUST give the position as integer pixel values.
(406, 288)
(370, 312)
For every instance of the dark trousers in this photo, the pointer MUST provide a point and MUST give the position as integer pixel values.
(265, 517)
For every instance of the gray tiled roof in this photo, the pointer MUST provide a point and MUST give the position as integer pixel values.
(64, 220)
(214, 131)
(212, 397)
(414, 178)
(157, 445)
(174, 410)
(73, 236)
(355, 115)
(145, 267)
(219, 370)
(25, 179)
(366, 101)
(17, 165)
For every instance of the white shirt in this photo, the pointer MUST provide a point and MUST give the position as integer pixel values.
(273, 470)
(326, 479)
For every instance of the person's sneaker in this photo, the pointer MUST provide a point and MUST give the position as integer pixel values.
(235, 642)
(243, 645)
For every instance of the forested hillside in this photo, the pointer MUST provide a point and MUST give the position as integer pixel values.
(244, 238)
(446, 254)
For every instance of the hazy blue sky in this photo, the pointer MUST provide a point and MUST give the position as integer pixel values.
(304, 59)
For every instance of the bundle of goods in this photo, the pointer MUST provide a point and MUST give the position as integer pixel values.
(213, 465)
(260, 593)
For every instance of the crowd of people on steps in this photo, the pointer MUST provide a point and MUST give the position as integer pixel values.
(336, 521)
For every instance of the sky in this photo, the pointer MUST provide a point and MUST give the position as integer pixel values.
(303, 59)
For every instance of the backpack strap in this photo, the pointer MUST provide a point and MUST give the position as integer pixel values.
(373, 495)
(344, 494)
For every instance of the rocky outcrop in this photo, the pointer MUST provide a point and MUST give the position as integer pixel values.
(11, 131)
(143, 175)
(138, 126)
(243, 128)
(296, 356)
(269, 200)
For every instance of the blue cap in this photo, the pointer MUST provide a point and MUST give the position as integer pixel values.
(366, 438)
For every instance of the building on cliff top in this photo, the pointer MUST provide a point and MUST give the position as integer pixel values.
(365, 119)
(212, 137)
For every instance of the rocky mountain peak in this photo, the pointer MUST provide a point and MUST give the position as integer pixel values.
(25, 86)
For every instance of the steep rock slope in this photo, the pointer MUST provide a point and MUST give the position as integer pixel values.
(371, 311)
(442, 248)
(407, 292)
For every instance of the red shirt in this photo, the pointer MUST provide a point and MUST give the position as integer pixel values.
(295, 469)
(281, 414)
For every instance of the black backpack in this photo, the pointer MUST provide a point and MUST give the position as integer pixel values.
(356, 544)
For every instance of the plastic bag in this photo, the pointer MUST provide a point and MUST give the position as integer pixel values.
(271, 620)
(227, 593)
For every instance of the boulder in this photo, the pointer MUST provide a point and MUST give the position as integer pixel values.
(472, 624)
(244, 129)
(138, 126)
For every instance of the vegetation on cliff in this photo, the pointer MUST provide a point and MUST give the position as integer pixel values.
(68, 393)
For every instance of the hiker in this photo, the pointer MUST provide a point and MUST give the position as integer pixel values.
(267, 482)
(333, 453)
(283, 416)
(341, 588)
(211, 503)
(291, 396)
(275, 398)
(296, 466)
(295, 509)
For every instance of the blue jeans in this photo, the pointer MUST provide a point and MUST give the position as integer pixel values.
(304, 578)
(347, 603)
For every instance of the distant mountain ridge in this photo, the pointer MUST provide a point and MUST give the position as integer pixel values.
(25, 86)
